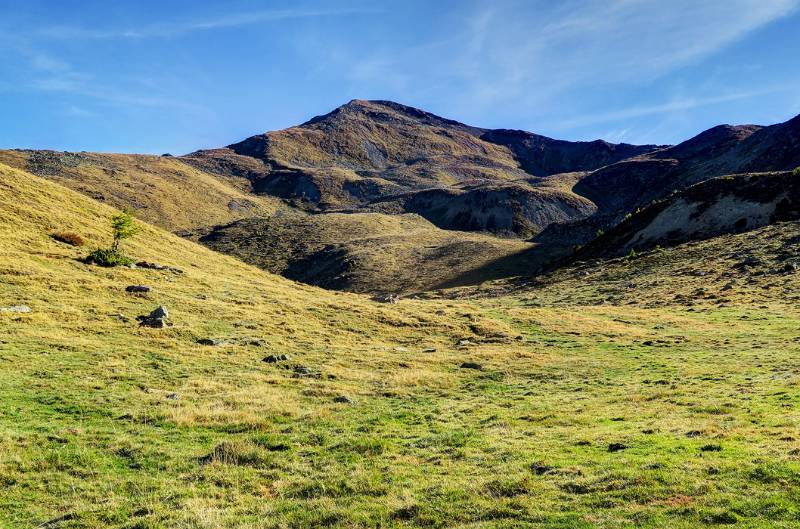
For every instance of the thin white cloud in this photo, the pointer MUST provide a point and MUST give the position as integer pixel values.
(528, 54)
(47, 73)
(74, 111)
(182, 27)
(664, 108)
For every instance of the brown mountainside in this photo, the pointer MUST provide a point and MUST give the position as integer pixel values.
(367, 153)
(381, 197)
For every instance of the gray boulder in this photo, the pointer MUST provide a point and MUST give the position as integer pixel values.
(156, 319)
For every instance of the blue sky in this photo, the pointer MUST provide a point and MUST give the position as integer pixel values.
(155, 76)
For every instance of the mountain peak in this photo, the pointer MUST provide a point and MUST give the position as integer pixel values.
(385, 110)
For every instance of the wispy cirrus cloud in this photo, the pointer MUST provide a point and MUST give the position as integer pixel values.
(182, 27)
(47, 73)
(530, 53)
(675, 105)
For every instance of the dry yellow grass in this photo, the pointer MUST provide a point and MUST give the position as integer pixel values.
(160, 189)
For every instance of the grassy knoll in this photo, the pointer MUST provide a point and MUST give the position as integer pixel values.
(582, 415)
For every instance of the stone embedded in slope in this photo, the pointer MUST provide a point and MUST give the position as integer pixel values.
(157, 319)
(471, 365)
(137, 288)
(211, 341)
(160, 312)
(274, 359)
(155, 323)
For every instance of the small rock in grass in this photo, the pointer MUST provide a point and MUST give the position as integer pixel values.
(137, 288)
(160, 312)
(305, 372)
(155, 323)
(471, 365)
(464, 343)
(429, 350)
(616, 447)
(273, 359)
(389, 298)
(211, 341)
(150, 266)
(16, 308)
(343, 399)
(156, 319)
(540, 469)
(172, 396)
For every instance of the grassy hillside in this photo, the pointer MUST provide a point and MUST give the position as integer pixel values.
(160, 189)
(583, 415)
(367, 252)
(750, 268)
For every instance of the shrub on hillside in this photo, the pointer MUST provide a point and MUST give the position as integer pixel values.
(796, 171)
(68, 237)
(108, 257)
(123, 226)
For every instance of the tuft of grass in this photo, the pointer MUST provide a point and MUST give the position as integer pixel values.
(237, 453)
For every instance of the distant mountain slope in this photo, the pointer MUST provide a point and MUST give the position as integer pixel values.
(719, 151)
(626, 186)
(368, 252)
(516, 208)
(542, 156)
(718, 206)
(327, 201)
(372, 151)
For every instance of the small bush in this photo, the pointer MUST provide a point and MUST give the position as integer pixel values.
(108, 257)
(796, 171)
(68, 237)
(123, 226)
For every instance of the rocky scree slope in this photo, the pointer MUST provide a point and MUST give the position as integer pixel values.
(728, 204)
(622, 187)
